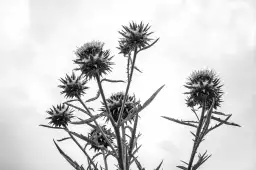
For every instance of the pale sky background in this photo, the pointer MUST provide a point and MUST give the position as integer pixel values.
(37, 43)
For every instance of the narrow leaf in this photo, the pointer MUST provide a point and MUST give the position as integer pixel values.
(217, 125)
(52, 127)
(69, 101)
(138, 164)
(113, 81)
(201, 159)
(136, 68)
(148, 46)
(94, 98)
(60, 140)
(225, 122)
(179, 121)
(83, 137)
(159, 165)
(219, 113)
(184, 162)
(136, 150)
(182, 167)
(87, 120)
(78, 108)
(73, 163)
(152, 97)
(193, 133)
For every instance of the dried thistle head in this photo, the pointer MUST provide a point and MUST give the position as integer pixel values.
(73, 86)
(60, 115)
(134, 36)
(98, 138)
(93, 60)
(203, 85)
(115, 103)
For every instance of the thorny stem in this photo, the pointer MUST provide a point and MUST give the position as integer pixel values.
(196, 141)
(128, 86)
(206, 122)
(122, 108)
(128, 66)
(96, 123)
(116, 128)
(124, 147)
(105, 159)
(133, 135)
(104, 100)
(88, 157)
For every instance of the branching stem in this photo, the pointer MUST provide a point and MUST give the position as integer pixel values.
(116, 128)
(96, 123)
(127, 88)
(74, 139)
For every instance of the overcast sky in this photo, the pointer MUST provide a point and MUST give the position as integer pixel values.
(38, 39)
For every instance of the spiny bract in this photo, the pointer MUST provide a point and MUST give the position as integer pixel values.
(93, 60)
(134, 36)
(204, 85)
(96, 136)
(73, 86)
(115, 103)
(60, 115)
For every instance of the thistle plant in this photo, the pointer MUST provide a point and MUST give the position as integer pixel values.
(118, 137)
(204, 92)
(120, 110)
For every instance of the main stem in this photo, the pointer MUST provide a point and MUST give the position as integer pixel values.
(124, 148)
(128, 86)
(116, 128)
(133, 135)
(124, 155)
(196, 141)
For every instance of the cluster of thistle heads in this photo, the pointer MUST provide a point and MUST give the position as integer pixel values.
(93, 62)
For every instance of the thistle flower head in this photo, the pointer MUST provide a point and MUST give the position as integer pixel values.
(115, 103)
(124, 47)
(134, 36)
(73, 86)
(203, 85)
(98, 138)
(93, 60)
(60, 115)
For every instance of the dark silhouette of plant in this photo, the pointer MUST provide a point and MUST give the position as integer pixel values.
(205, 92)
(121, 110)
